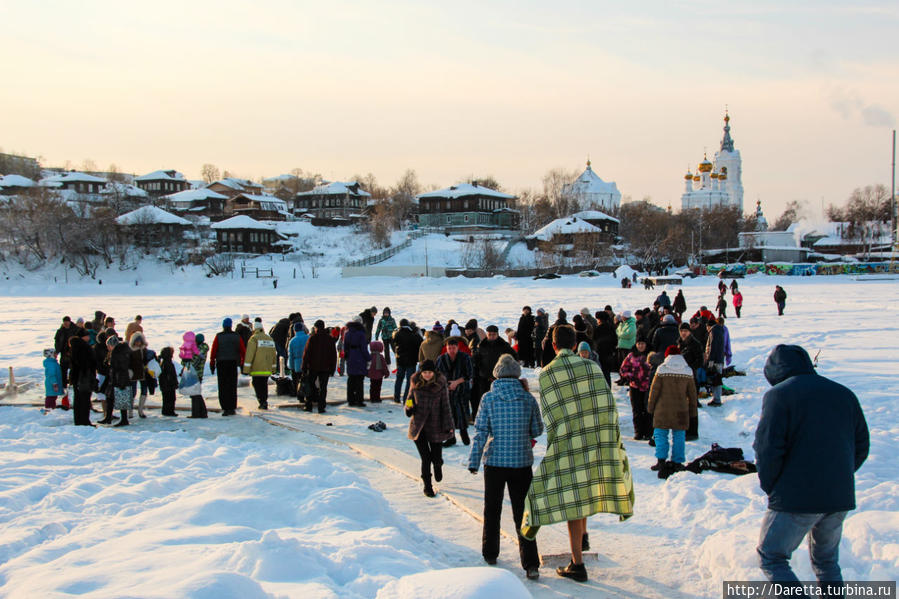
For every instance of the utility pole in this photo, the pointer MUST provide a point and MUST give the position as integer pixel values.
(893, 198)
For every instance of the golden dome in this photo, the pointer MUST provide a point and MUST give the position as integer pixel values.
(722, 176)
(696, 178)
(714, 175)
(705, 166)
(688, 176)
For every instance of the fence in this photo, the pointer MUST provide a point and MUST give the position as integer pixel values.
(800, 269)
(388, 253)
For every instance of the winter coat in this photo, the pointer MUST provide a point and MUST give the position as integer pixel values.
(261, 357)
(627, 333)
(377, 368)
(431, 415)
(430, 348)
(368, 323)
(244, 330)
(228, 347)
(460, 342)
(508, 418)
(138, 365)
(487, 355)
(714, 345)
(279, 332)
(52, 377)
(355, 349)
(692, 352)
(61, 340)
(606, 341)
(664, 335)
(119, 366)
(320, 355)
(811, 437)
(526, 326)
(198, 362)
(541, 325)
(168, 378)
(663, 300)
(132, 328)
(780, 295)
(386, 328)
(460, 368)
(738, 299)
(680, 303)
(295, 351)
(672, 395)
(405, 344)
(189, 348)
(635, 371)
(728, 354)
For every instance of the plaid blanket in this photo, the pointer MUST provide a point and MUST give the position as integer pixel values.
(585, 470)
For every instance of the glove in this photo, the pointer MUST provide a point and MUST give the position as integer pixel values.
(410, 411)
(473, 470)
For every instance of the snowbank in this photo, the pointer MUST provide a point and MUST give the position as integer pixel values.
(456, 583)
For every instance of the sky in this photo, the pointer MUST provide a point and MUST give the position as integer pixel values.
(461, 89)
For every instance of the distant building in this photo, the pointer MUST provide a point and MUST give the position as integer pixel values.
(566, 236)
(14, 184)
(260, 207)
(152, 226)
(717, 183)
(245, 235)
(14, 164)
(74, 181)
(198, 202)
(231, 186)
(336, 203)
(589, 190)
(161, 183)
(467, 206)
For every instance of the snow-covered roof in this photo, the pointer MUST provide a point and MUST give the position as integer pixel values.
(72, 177)
(595, 215)
(336, 188)
(278, 178)
(191, 195)
(462, 190)
(563, 226)
(241, 221)
(590, 183)
(125, 189)
(162, 175)
(15, 181)
(235, 183)
(267, 202)
(151, 215)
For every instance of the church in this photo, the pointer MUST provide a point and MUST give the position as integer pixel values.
(716, 183)
(591, 192)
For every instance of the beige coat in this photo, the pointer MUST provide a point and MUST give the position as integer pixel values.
(672, 395)
(430, 348)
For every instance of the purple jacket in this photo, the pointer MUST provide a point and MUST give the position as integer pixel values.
(355, 349)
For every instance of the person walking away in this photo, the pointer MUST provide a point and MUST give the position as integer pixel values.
(119, 365)
(260, 361)
(378, 370)
(585, 470)
(714, 360)
(672, 401)
(368, 322)
(431, 421)
(52, 379)
(483, 359)
(635, 372)
(456, 366)
(431, 347)
(193, 355)
(811, 439)
(355, 348)
(278, 333)
(506, 423)
(226, 354)
(168, 381)
(133, 327)
(525, 335)
(605, 340)
(721, 307)
(780, 298)
(405, 343)
(541, 325)
(680, 304)
(665, 335)
(83, 376)
(138, 344)
(692, 351)
(244, 328)
(737, 301)
(319, 363)
(295, 350)
(384, 332)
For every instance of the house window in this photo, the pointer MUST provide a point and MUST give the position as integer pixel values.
(448, 219)
(466, 218)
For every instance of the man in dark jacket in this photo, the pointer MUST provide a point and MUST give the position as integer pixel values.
(811, 439)
(405, 344)
(279, 333)
(524, 334)
(665, 335)
(663, 300)
(483, 359)
(368, 321)
(319, 363)
(780, 298)
(355, 349)
(82, 375)
(227, 355)
(244, 328)
(714, 360)
(541, 325)
(61, 344)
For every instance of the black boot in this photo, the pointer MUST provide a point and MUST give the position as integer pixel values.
(658, 466)
(449, 443)
(428, 490)
(573, 571)
(438, 471)
(665, 470)
(124, 420)
(464, 434)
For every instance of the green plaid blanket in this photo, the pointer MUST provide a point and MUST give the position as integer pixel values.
(585, 470)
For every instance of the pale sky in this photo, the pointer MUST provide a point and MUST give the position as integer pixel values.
(454, 89)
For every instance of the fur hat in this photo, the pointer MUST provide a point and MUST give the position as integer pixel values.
(428, 365)
(472, 324)
(507, 367)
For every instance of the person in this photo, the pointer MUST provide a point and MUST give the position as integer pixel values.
(605, 340)
(120, 379)
(295, 352)
(385, 330)
(721, 306)
(319, 363)
(780, 298)
(244, 328)
(138, 345)
(456, 366)
(525, 335)
(431, 346)
(260, 361)
(368, 321)
(338, 334)
(507, 421)
(378, 370)
(355, 349)
(714, 360)
(665, 335)
(278, 333)
(82, 376)
(541, 325)
(52, 379)
(663, 300)
(811, 439)
(737, 301)
(672, 401)
(585, 470)
(168, 381)
(627, 334)
(733, 286)
(405, 344)
(584, 351)
(227, 353)
(590, 320)
(61, 345)
(680, 303)
(635, 373)
(483, 359)
(193, 355)
(133, 327)
(692, 351)
(431, 421)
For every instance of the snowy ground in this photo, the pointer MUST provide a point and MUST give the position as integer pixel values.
(239, 507)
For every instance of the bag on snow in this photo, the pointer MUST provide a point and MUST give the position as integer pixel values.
(190, 383)
(722, 459)
(304, 388)
(284, 386)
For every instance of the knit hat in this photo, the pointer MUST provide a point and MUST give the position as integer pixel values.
(585, 311)
(541, 311)
(357, 318)
(492, 329)
(583, 346)
(641, 336)
(626, 314)
(437, 327)
(472, 324)
(562, 314)
(684, 326)
(226, 323)
(257, 326)
(404, 322)
(672, 350)
(245, 317)
(200, 338)
(428, 365)
(669, 319)
(298, 326)
(506, 367)
(49, 352)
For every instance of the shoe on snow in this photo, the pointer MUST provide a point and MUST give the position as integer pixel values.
(573, 571)
(532, 573)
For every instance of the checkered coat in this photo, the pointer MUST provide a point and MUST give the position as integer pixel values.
(585, 470)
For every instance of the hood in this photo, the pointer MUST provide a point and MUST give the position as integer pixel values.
(376, 346)
(135, 339)
(433, 337)
(786, 361)
(189, 337)
(357, 326)
(675, 364)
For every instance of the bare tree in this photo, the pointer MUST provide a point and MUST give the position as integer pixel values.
(866, 214)
(792, 213)
(210, 173)
(88, 166)
(113, 175)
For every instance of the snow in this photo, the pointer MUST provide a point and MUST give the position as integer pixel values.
(336, 188)
(73, 177)
(595, 215)
(563, 226)
(15, 181)
(232, 507)
(241, 221)
(162, 175)
(266, 202)
(462, 190)
(125, 189)
(190, 195)
(151, 215)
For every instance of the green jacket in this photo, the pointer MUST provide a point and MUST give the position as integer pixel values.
(386, 327)
(627, 333)
(261, 358)
(585, 470)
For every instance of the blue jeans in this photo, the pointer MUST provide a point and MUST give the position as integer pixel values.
(783, 531)
(401, 373)
(678, 442)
